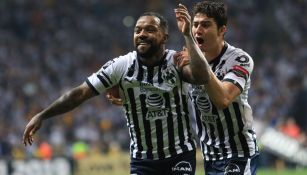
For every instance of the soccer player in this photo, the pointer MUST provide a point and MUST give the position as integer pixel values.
(223, 116)
(154, 97)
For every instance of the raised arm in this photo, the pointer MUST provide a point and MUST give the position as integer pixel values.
(198, 70)
(63, 104)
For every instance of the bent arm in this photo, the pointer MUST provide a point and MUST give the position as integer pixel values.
(68, 101)
(198, 70)
(222, 93)
(65, 103)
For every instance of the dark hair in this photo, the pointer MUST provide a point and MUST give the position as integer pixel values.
(213, 9)
(163, 21)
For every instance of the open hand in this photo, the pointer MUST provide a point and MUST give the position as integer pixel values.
(31, 128)
(183, 19)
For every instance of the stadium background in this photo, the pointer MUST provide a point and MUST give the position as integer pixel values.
(50, 46)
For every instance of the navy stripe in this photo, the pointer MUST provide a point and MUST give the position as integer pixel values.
(241, 127)
(160, 80)
(198, 121)
(147, 127)
(188, 126)
(92, 87)
(107, 77)
(150, 75)
(230, 130)
(179, 119)
(129, 126)
(131, 69)
(235, 83)
(103, 81)
(140, 74)
(159, 133)
(170, 125)
(136, 123)
(220, 131)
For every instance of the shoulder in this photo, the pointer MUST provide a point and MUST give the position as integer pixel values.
(237, 56)
(121, 60)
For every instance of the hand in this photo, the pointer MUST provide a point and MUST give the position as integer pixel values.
(183, 19)
(31, 128)
(113, 96)
(182, 58)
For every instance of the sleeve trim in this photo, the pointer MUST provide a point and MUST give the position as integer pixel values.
(235, 83)
(92, 87)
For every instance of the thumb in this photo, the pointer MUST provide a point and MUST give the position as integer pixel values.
(184, 48)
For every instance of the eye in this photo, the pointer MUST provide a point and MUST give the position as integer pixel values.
(195, 24)
(151, 29)
(137, 30)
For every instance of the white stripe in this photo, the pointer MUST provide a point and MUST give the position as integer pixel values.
(247, 170)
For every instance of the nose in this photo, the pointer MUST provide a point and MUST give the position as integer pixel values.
(142, 33)
(197, 28)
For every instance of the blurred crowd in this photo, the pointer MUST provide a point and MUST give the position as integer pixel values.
(50, 46)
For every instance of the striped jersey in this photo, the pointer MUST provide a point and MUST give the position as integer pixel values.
(155, 103)
(226, 133)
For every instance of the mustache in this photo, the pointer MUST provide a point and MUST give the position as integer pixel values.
(147, 41)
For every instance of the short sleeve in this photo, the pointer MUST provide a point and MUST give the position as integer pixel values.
(239, 70)
(108, 75)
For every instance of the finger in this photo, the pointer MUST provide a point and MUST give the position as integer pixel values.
(33, 131)
(183, 12)
(26, 135)
(183, 6)
(117, 101)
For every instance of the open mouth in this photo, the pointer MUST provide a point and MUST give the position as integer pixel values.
(199, 40)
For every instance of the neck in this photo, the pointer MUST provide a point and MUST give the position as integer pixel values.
(153, 60)
(213, 53)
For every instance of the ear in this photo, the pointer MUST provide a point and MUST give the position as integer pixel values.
(165, 38)
(222, 30)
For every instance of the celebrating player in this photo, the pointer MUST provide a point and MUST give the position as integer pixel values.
(224, 117)
(154, 97)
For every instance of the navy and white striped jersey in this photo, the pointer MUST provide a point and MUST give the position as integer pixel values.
(226, 133)
(155, 103)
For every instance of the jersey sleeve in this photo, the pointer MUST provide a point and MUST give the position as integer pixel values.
(239, 70)
(108, 75)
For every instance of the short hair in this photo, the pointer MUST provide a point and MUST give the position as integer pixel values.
(163, 21)
(213, 9)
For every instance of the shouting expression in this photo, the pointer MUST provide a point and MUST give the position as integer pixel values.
(207, 33)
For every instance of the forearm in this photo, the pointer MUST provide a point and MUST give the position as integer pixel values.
(199, 66)
(66, 102)
(221, 93)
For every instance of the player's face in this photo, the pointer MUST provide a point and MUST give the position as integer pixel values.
(148, 36)
(206, 32)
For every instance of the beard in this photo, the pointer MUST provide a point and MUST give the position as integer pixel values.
(151, 51)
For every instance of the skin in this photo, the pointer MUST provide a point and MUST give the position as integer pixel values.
(149, 42)
(147, 28)
(205, 28)
(210, 39)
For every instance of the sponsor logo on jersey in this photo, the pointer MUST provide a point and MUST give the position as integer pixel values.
(182, 167)
(203, 103)
(155, 106)
(232, 169)
(208, 118)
